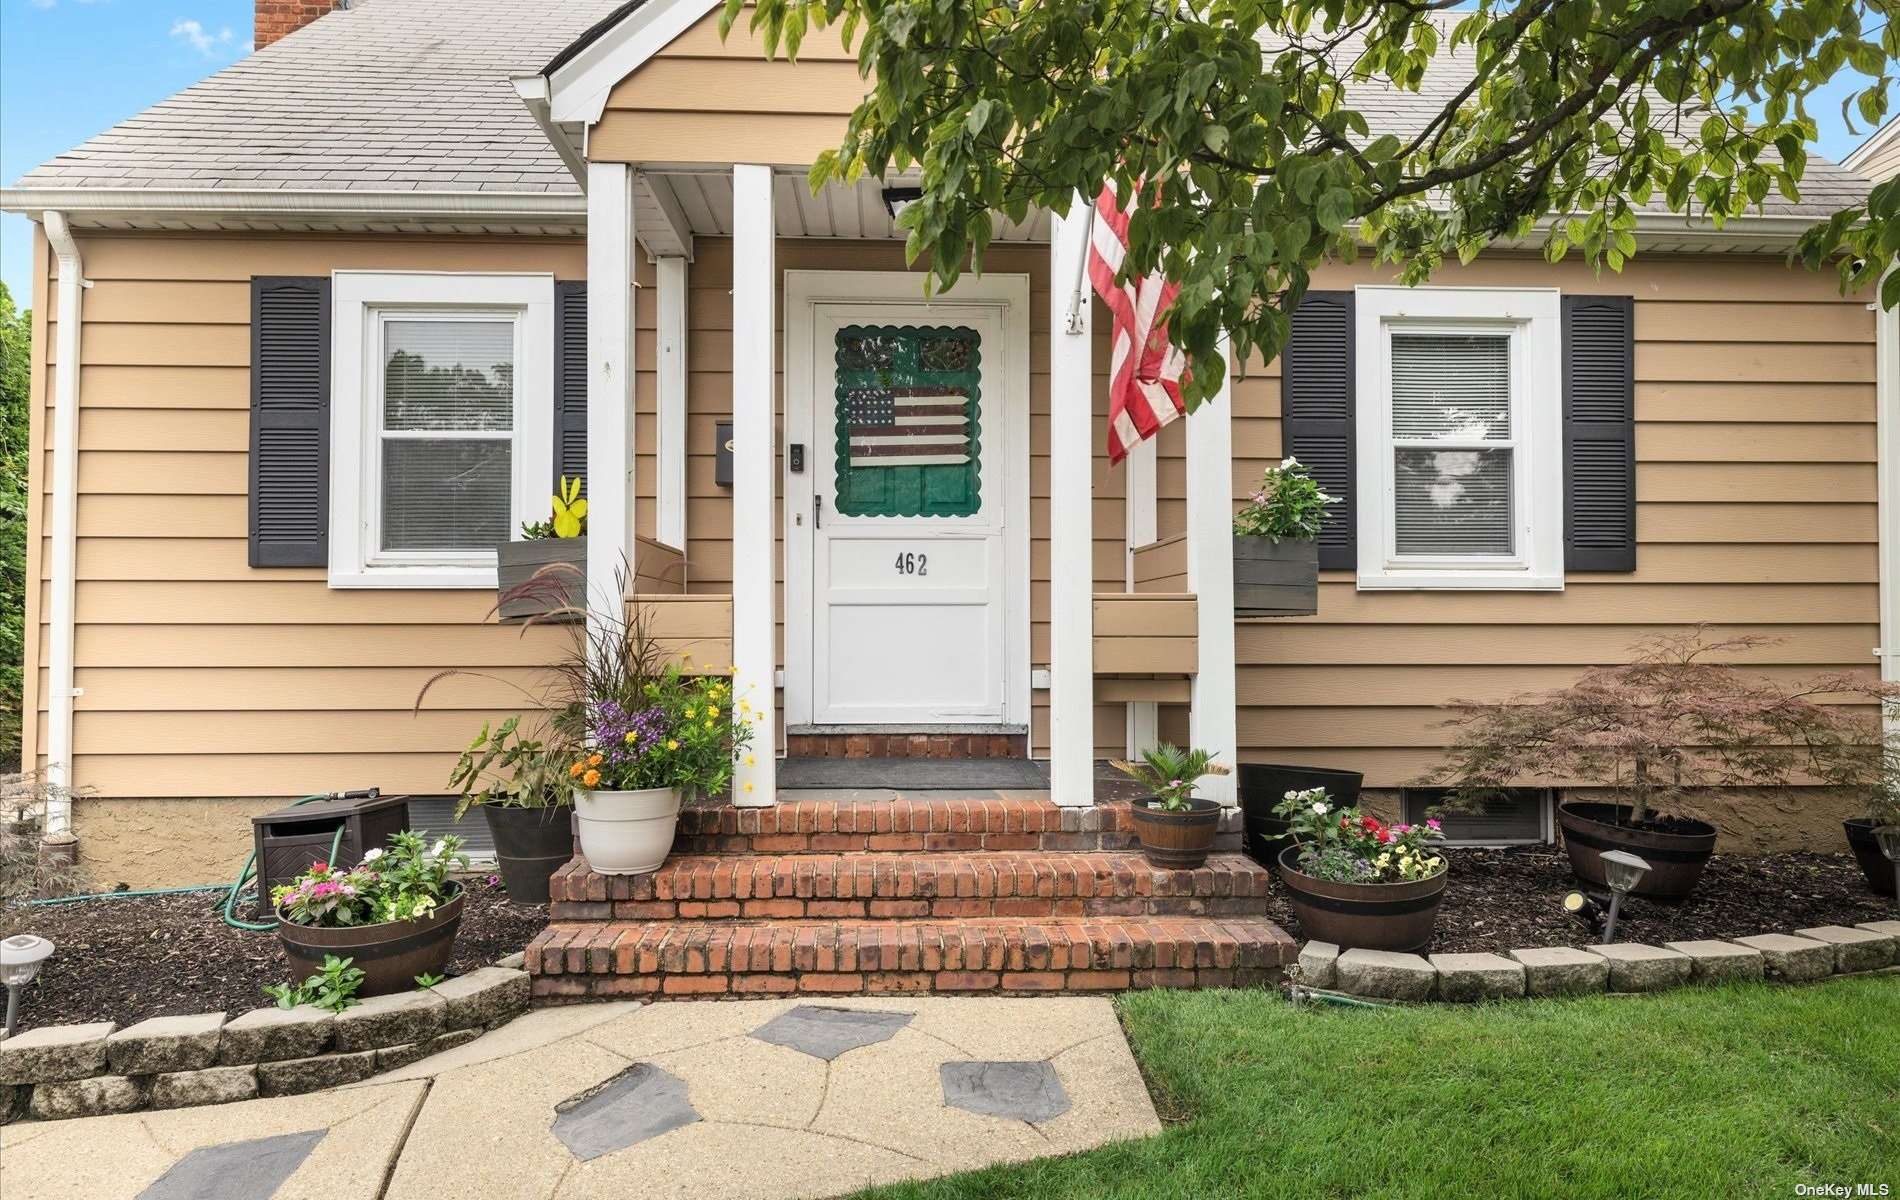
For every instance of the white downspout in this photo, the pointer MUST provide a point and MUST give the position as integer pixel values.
(63, 525)
(1887, 349)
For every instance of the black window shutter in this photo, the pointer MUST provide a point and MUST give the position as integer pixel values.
(570, 380)
(1599, 433)
(290, 421)
(1316, 413)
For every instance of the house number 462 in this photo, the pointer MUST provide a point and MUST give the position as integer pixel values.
(913, 564)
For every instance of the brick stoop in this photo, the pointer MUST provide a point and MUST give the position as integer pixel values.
(993, 892)
(581, 960)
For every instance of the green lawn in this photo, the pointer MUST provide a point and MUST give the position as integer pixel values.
(1736, 1092)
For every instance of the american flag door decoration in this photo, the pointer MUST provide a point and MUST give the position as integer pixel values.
(1146, 370)
(918, 426)
(909, 421)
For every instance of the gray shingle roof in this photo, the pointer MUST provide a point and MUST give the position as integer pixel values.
(414, 95)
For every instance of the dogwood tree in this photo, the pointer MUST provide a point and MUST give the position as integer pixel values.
(1271, 135)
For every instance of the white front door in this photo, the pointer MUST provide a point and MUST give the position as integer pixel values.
(908, 482)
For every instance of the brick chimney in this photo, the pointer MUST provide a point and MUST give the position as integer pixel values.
(279, 18)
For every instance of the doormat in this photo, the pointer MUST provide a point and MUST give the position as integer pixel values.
(913, 774)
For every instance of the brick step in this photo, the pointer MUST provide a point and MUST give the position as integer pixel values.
(920, 822)
(1002, 883)
(581, 960)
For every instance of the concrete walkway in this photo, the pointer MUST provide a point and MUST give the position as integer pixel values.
(755, 1099)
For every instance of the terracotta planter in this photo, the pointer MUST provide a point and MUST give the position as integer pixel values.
(1363, 916)
(1263, 785)
(530, 845)
(561, 587)
(1675, 859)
(626, 833)
(1177, 839)
(390, 955)
(1275, 579)
(1874, 864)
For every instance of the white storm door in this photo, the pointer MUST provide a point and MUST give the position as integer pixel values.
(908, 462)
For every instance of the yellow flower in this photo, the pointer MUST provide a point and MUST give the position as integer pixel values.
(732, 670)
(591, 778)
(686, 656)
(750, 761)
(631, 737)
(709, 724)
(690, 714)
(712, 712)
(672, 743)
(748, 787)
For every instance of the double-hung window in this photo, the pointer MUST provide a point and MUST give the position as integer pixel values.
(441, 423)
(1460, 438)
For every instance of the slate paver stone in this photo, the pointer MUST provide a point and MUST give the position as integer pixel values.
(1855, 949)
(1562, 971)
(165, 1044)
(639, 1103)
(1467, 977)
(98, 1096)
(54, 1053)
(479, 997)
(1635, 967)
(1017, 1091)
(275, 1034)
(825, 1032)
(1712, 961)
(1795, 959)
(252, 1168)
(392, 1020)
(213, 1085)
(1317, 963)
(1385, 975)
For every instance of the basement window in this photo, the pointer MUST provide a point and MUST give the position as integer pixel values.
(1514, 817)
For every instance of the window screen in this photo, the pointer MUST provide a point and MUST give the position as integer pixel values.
(447, 430)
(1452, 444)
(1514, 817)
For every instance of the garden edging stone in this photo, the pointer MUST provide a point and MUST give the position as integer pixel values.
(1318, 961)
(1470, 977)
(1635, 967)
(299, 1075)
(55, 1053)
(212, 1085)
(1385, 975)
(1714, 961)
(275, 1034)
(1855, 949)
(164, 1044)
(1562, 971)
(98, 1096)
(1795, 959)
(392, 1020)
(482, 996)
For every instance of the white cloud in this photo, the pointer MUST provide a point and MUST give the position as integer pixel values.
(222, 44)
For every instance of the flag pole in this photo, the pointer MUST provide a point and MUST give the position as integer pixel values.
(1074, 321)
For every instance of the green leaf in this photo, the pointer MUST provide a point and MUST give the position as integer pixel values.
(1334, 209)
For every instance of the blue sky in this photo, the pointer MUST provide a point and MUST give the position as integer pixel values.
(71, 68)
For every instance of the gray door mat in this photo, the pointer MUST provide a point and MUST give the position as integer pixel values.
(913, 774)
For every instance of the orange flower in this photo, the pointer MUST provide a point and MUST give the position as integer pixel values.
(591, 778)
(574, 772)
(594, 760)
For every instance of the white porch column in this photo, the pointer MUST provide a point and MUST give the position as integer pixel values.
(669, 517)
(1071, 569)
(1210, 557)
(754, 288)
(610, 241)
(1138, 501)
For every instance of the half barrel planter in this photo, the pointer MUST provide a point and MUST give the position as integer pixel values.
(556, 566)
(390, 954)
(1275, 578)
(1180, 839)
(1675, 859)
(1363, 916)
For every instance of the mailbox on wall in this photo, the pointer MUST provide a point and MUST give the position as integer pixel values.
(722, 454)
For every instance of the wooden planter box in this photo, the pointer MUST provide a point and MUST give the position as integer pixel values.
(1275, 579)
(518, 562)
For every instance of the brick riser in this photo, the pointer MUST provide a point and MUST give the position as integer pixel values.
(906, 745)
(895, 886)
(704, 959)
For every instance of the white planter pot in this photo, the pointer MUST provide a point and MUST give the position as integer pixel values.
(626, 833)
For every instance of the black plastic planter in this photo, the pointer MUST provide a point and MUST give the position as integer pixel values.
(530, 845)
(1874, 864)
(1263, 785)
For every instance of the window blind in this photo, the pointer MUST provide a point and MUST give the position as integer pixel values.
(448, 413)
(1452, 449)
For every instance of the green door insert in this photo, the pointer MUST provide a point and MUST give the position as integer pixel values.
(909, 431)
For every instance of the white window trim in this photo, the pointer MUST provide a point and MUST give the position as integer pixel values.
(360, 300)
(1533, 316)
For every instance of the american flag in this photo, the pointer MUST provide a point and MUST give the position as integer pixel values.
(1146, 370)
(908, 426)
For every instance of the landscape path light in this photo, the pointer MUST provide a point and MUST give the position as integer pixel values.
(20, 958)
(1624, 871)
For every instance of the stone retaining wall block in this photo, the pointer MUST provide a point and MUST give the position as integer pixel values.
(1855, 949)
(392, 1020)
(96, 1097)
(213, 1085)
(1562, 971)
(55, 1053)
(1795, 959)
(1712, 961)
(165, 1044)
(300, 1075)
(1469, 977)
(1317, 960)
(479, 997)
(1385, 975)
(1635, 967)
(274, 1034)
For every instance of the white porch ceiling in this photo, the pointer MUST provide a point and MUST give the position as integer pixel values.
(839, 211)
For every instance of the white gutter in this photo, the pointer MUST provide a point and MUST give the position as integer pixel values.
(493, 206)
(63, 525)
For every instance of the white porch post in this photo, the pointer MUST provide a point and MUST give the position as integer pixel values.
(1071, 569)
(754, 288)
(1138, 500)
(610, 240)
(1210, 522)
(669, 517)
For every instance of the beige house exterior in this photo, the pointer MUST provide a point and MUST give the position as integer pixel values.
(203, 689)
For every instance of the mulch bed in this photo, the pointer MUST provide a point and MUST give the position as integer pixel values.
(1499, 900)
(152, 956)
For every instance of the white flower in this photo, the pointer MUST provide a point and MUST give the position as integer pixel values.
(372, 856)
(1288, 463)
(436, 850)
(1319, 808)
